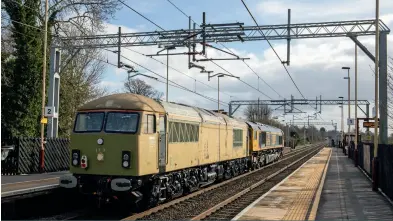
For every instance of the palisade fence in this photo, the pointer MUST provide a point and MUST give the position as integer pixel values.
(385, 164)
(24, 158)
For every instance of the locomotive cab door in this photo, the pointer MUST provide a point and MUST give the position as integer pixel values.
(162, 155)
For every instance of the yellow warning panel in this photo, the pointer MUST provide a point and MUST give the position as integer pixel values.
(44, 120)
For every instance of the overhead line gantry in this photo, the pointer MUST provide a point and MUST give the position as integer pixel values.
(230, 32)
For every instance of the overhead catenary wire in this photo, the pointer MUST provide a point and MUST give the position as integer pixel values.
(242, 60)
(147, 69)
(271, 46)
(275, 52)
(137, 52)
(171, 84)
(204, 56)
(177, 85)
(259, 77)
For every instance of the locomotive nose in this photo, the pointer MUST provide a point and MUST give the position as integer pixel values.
(104, 154)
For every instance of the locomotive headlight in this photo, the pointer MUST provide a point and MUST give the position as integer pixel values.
(75, 157)
(125, 164)
(126, 156)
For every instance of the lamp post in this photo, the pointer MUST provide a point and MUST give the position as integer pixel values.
(287, 136)
(342, 121)
(356, 106)
(219, 75)
(349, 97)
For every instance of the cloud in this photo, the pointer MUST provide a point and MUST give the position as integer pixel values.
(315, 63)
(313, 11)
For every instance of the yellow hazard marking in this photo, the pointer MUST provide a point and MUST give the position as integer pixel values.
(44, 120)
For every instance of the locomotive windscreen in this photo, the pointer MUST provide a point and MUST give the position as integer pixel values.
(89, 122)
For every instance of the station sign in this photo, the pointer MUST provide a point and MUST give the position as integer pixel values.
(369, 124)
(50, 112)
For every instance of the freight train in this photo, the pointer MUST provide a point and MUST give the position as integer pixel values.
(130, 147)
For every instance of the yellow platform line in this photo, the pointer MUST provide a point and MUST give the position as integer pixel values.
(317, 198)
(304, 198)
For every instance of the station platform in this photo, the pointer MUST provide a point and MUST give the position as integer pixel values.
(326, 187)
(28, 184)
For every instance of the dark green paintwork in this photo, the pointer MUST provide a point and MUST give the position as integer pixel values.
(112, 149)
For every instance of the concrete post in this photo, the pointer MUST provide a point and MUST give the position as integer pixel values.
(54, 91)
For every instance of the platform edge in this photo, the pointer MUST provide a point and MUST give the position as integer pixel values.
(317, 198)
(272, 189)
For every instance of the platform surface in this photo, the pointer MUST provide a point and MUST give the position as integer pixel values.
(347, 194)
(22, 184)
(292, 198)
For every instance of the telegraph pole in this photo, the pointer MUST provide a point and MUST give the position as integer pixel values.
(42, 152)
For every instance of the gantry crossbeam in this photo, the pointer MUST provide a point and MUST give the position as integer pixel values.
(312, 123)
(298, 102)
(234, 105)
(227, 33)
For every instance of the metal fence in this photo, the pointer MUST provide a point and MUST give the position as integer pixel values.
(385, 169)
(24, 156)
(385, 164)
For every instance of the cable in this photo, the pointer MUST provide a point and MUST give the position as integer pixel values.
(173, 84)
(140, 14)
(179, 86)
(204, 56)
(275, 52)
(27, 25)
(242, 60)
(240, 79)
(166, 78)
(177, 70)
(273, 49)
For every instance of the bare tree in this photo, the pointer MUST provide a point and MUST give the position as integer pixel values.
(260, 114)
(81, 75)
(138, 86)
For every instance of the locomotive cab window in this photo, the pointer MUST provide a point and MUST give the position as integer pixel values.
(89, 122)
(149, 124)
(120, 122)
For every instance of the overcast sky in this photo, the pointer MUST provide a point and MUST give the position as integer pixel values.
(315, 63)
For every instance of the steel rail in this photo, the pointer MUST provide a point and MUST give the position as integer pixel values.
(202, 191)
(231, 199)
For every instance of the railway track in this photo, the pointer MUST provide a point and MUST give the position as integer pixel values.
(113, 212)
(232, 206)
(212, 200)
